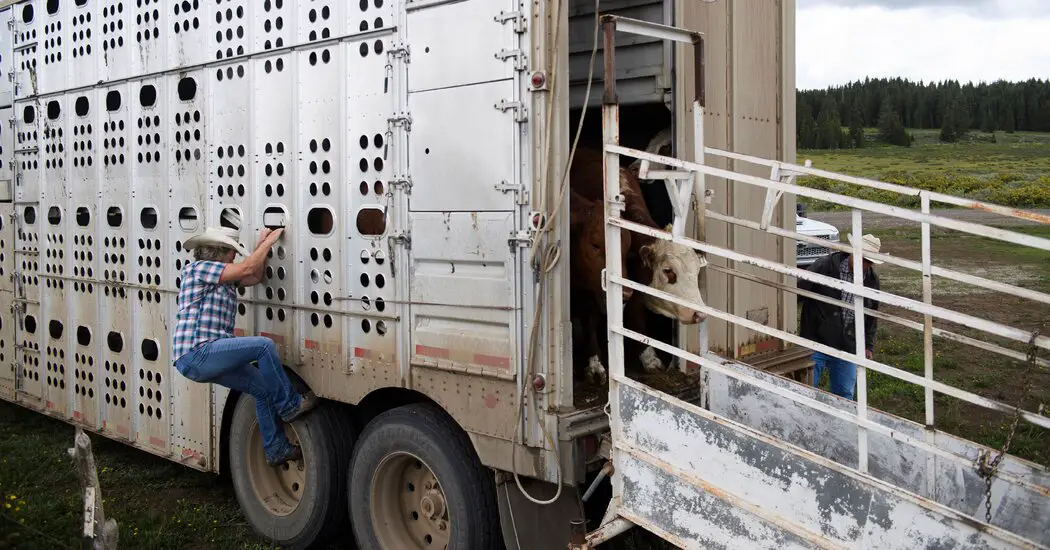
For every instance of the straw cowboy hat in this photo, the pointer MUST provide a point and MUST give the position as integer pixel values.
(871, 243)
(217, 236)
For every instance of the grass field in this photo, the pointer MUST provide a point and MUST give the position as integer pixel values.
(1012, 169)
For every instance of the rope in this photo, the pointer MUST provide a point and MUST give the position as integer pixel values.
(549, 257)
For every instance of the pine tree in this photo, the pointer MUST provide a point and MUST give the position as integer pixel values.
(856, 126)
(891, 129)
(829, 125)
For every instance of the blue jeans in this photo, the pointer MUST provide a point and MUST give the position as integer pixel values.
(227, 362)
(841, 374)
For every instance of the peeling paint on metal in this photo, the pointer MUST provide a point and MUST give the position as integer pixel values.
(700, 463)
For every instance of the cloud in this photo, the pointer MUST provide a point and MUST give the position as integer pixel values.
(837, 44)
(992, 8)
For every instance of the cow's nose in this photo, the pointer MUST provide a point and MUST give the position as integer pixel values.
(627, 293)
(697, 317)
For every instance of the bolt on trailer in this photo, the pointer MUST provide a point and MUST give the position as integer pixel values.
(765, 462)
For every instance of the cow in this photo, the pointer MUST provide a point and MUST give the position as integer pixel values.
(587, 255)
(663, 265)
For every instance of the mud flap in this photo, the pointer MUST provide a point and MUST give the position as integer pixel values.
(527, 525)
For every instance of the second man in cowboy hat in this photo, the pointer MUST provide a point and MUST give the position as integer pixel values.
(833, 325)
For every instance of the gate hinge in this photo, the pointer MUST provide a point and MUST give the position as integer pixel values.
(11, 24)
(399, 51)
(522, 116)
(520, 59)
(516, 16)
(523, 194)
(401, 119)
(402, 238)
(402, 182)
(519, 239)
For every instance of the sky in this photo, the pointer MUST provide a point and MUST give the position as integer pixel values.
(967, 40)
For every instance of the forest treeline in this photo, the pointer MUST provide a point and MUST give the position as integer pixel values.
(835, 118)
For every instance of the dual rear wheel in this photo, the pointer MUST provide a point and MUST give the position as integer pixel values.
(410, 480)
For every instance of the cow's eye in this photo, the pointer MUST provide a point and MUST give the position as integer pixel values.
(596, 247)
(672, 278)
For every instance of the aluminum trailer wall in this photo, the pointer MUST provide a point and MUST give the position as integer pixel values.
(750, 96)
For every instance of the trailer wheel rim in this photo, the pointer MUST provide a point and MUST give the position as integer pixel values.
(279, 489)
(409, 509)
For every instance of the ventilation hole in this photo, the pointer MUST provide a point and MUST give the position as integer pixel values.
(55, 329)
(53, 110)
(83, 336)
(148, 217)
(150, 351)
(148, 96)
(81, 106)
(27, 14)
(28, 114)
(230, 218)
(52, 7)
(187, 89)
(54, 215)
(114, 216)
(371, 222)
(188, 218)
(30, 324)
(29, 215)
(320, 221)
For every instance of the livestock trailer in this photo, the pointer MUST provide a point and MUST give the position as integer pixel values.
(414, 152)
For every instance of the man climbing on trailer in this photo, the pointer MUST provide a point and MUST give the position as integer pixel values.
(833, 325)
(205, 349)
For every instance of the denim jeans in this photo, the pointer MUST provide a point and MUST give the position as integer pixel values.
(227, 362)
(842, 375)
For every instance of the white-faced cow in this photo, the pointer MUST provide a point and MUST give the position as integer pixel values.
(663, 265)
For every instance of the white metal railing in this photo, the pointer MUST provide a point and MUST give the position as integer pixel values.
(685, 184)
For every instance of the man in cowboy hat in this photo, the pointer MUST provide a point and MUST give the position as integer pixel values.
(833, 325)
(205, 349)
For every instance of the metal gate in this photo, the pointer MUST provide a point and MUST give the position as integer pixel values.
(764, 462)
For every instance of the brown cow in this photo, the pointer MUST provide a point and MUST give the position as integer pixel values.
(663, 265)
(587, 260)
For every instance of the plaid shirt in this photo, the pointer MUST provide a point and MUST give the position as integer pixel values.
(846, 274)
(207, 309)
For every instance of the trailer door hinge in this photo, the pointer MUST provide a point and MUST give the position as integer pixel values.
(401, 119)
(402, 238)
(523, 194)
(401, 182)
(516, 16)
(522, 112)
(400, 51)
(519, 239)
(520, 59)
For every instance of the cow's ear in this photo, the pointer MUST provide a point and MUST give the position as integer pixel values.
(580, 209)
(648, 255)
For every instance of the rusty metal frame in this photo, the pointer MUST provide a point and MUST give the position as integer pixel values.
(693, 184)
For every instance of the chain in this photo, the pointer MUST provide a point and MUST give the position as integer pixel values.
(987, 469)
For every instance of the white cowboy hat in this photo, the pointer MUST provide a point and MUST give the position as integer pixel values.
(217, 236)
(871, 243)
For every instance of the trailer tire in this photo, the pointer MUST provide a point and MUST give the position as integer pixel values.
(303, 508)
(415, 461)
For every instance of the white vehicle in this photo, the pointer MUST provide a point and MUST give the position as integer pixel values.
(807, 253)
(415, 153)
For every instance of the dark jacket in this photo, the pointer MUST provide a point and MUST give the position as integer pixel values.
(823, 322)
